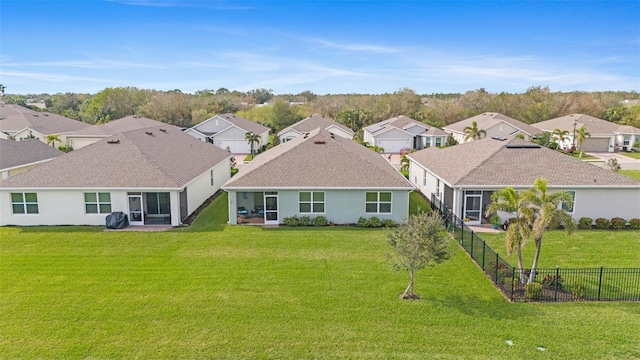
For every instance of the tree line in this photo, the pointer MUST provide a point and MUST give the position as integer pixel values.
(353, 110)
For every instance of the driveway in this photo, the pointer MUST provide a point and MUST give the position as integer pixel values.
(626, 163)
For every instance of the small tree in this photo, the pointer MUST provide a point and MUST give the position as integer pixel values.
(613, 164)
(252, 139)
(472, 132)
(421, 242)
(52, 139)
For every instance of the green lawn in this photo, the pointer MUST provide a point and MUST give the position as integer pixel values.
(216, 291)
(635, 174)
(635, 155)
(583, 248)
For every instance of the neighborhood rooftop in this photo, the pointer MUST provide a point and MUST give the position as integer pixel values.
(128, 123)
(319, 160)
(160, 157)
(594, 125)
(15, 118)
(313, 122)
(513, 162)
(242, 123)
(489, 119)
(16, 153)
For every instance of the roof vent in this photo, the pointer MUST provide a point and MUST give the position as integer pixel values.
(148, 133)
(523, 146)
(45, 114)
(36, 115)
(500, 138)
(163, 130)
(306, 135)
(113, 141)
(320, 142)
(332, 136)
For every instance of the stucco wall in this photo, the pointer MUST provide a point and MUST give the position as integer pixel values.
(607, 203)
(201, 189)
(215, 124)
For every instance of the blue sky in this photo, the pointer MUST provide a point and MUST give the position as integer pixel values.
(326, 47)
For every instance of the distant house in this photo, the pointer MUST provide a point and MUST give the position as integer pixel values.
(463, 177)
(88, 135)
(605, 135)
(494, 124)
(314, 121)
(19, 156)
(155, 175)
(319, 174)
(21, 123)
(228, 132)
(403, 132)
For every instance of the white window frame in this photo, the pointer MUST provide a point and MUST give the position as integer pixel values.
(312, 202)
(378, 202)
(24, 203)
(97, 203)
(439, 142)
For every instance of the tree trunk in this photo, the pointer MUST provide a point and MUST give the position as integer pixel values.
(523, 277)
(409, 290)
(532, 276)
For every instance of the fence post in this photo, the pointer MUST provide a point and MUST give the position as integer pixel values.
(461, 232)
(484, 246)
(497, 262)
(472, 245)
(555, 296)
(600, 283)
(513, 280)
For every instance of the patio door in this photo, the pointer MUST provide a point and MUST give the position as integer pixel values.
(271, 208)
(473, 207)
(135, 210)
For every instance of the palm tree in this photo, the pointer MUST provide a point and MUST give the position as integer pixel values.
(519, 231)
(560, 136)
(52, 138)
(252, 139)
(581, 135)
(472, 132)
(404, 162)
(546, 211)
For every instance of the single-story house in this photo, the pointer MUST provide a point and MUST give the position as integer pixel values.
(19, 156)
(605, 136)
(86, 136)
(319, 174)
(463, 177)
(20, 123)
(314, 121)
(403, 132)
(155, 175)
(228, 132)
(494, 124)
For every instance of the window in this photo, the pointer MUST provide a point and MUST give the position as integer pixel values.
(158, 203)
(438, 141)
(626, 140)
(97, 203)
(427, 142)
(212, 181)
(424, 179)
(311, 202)
(24, 203)
(569, 207)
(378, 202)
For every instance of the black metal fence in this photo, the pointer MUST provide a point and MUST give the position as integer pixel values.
(551, 284)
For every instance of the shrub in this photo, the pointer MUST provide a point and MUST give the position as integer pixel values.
(292, 221)
(533, 291)
(602, 223)
(362, 222)
(585, 223)
(321, 221)
(635, 223)
(65, 148)
(306, 221)
(551, 281)
(578, 291)
(374, 222)
(618, 223)
(389, 223)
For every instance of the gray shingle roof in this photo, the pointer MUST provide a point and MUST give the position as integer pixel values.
(16, 153)
(402, 122)
(15, 118)
(244, 124)
(128, 123)
(513, 162)
(313, 122)
(144, 158)
(594, 125)
(489, 119)
(319, 161)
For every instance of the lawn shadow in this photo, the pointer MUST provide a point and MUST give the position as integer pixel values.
(497, 308)
(59, 229)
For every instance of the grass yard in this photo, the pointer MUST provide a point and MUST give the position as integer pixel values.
(634, 155)
(635, 174)
(216, 291)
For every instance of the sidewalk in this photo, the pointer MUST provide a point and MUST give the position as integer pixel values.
(626, 163)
